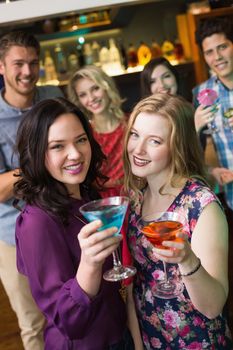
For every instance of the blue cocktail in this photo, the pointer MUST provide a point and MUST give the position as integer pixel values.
(110, 215)
(111, 211)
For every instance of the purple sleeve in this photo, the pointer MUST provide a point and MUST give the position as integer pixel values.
(44, 257)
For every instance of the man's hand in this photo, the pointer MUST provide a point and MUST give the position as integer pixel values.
(222, 175)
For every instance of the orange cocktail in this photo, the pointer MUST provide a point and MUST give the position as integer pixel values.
(159, 231)
(158, 227)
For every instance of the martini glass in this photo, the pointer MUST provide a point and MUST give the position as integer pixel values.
(209, 98)
(111, 211)
(227, 114)
(211, 126)
(159, 227)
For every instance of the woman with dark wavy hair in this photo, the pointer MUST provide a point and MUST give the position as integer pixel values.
(62, 256)
(159, 75)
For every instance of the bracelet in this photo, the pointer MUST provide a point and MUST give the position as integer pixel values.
(196, 268)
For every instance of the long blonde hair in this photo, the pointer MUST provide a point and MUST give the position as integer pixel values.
(100, 78)
(186, 154)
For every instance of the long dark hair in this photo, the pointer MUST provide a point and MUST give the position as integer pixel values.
(145, 76)
(36, 185)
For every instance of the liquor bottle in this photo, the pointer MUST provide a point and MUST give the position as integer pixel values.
(49, 66)
(178, 50)
(42, 79)
(114, 57)
(124, 59)
(73, 61)
(96, 53)
(144, 54)
(132, 56)
(168, 50)
(104, 59)
(114, 53)
(79, 49)
(155, 49)
(87, 53)
(60, 61)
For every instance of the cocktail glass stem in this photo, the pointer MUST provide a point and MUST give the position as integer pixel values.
(116, 260)
(212, 128)
(165, 272)
(119, 272)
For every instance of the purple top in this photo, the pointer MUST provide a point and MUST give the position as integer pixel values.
(48, 254)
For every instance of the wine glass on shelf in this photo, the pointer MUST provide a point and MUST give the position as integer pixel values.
(111, 211)
(158, 227)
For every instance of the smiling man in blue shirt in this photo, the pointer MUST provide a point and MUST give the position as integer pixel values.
(19, 66)
(215, 38)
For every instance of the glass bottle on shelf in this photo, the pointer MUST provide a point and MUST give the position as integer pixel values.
(114, 57)
(60, 62)
(132, 56)
(49, 66)
(42, 79)
(178, 50)
(114, 53)
(73, 62)
(124, 59)
(79, 49)
(168, 50)
(144, 54)
(87, 53)
(96, 53)
(104, 58)
(155, 49)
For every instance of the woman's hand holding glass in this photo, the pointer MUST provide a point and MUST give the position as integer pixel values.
(178, 251)
(95, 245)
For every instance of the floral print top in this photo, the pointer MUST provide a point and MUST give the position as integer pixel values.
(173, 323)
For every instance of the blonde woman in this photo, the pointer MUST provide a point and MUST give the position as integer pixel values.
(96, 94)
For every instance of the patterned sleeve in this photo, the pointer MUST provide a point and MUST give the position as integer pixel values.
(198, 201)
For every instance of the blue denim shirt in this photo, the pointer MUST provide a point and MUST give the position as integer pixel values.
(9, 121)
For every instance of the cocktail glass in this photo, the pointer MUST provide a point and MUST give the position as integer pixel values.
(227, 114)
(209, 97)
(159, 227)
(211, 125)
(111, 211)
